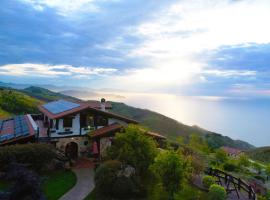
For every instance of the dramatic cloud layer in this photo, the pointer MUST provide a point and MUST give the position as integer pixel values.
(196, 48)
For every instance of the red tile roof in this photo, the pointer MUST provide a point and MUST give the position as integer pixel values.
(106, 130)
(155, 135)
(231, 150)
(113, 128)
(85, 106)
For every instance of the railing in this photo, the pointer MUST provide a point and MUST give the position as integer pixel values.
(228, 179)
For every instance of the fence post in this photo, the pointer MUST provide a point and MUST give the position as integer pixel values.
(239, 184)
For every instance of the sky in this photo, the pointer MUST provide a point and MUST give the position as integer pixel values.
(210, 49)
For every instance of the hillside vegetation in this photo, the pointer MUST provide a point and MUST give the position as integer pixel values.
(46, 95)
(261, 154)
(15, 102)
(172, 128)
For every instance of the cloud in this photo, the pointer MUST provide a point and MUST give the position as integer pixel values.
(63, 7)
(46, 70)
(170, 41)
(230, 73)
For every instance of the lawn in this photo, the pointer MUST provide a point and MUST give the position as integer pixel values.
(57, 183)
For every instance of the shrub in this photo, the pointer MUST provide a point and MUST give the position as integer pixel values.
(134, 148)
(208, 181)
(216, 192)
(37, 156)
(171, 169)
(230, 167)
(106, 175)
(110, 181)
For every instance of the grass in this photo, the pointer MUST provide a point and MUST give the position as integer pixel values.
(57, 183)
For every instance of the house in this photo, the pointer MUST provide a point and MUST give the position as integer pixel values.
(232, 152)
(76, 129)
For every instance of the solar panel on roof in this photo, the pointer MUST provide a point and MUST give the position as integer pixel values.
(60, 106)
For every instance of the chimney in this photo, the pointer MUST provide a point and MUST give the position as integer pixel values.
(103, 104)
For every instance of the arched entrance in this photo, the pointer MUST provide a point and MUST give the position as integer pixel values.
(72, 150)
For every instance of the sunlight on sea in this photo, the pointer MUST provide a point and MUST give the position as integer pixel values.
(239, 119)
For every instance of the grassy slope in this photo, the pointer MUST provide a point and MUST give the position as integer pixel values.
(15, 102)
(261, 154)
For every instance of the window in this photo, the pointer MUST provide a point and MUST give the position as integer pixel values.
(67, 122)
(101, 121)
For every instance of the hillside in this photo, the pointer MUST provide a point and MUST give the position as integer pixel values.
(172, 128)
(46, 95)
(261, 154)
(14, 101)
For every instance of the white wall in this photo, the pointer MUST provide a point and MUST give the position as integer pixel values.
(76, 124)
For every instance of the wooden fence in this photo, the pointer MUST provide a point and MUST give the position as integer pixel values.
(229, 180)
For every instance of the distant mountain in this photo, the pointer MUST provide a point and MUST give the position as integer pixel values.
(14, 101)
(46, 95)
(261, 154)
(90, 94)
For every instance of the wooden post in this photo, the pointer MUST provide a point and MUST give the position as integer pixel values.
(239, 184)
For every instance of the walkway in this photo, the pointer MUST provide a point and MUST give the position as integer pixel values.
(85, 182)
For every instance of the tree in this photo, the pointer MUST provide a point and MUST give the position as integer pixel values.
(170, 167)
(132, 147)
(257, 167)
(243, 160)
(221, 156)
(197, 143)
(267, 170)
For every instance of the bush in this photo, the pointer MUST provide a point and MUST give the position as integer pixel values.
(230, 167)
(37, 156)
(106, 175)
(208, 181)
(216, 192)
(110, 181)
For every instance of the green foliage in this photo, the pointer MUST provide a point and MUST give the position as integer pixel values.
(257, 167)
(133, 148)
(216, 141)
(230, 167)
(190, 193)
(36, 155)
(105, 176)
(198, 143)
(261, 154)
(110, 182)
(216, 192)
(208, 181)
(243, 160)
(221, 156)
(12, 101)
(267, 169)
(57, 183)
(170, 167)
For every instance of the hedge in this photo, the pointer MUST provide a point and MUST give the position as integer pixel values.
(37, 156)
